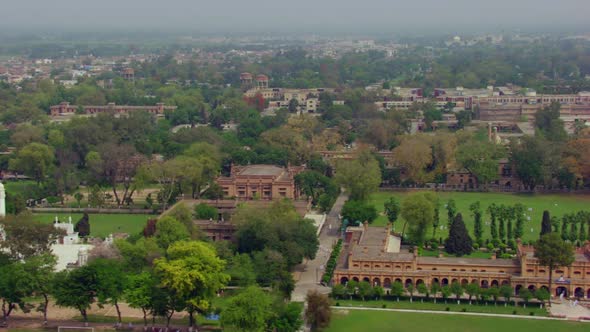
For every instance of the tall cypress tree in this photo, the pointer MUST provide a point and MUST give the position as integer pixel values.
(564, 234)
(493, 211)
(477, 226)
(519, 215)
(459, 242)
(546, 224)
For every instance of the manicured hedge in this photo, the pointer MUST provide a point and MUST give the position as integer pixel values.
(331, 265)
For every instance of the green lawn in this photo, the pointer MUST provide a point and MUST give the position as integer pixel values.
(377, 321)
(475, 254)
(440, 305)
(101, 225)
(556, 204)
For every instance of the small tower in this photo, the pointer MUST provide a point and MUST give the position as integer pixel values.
(246, 81)
(261, 82)
(2, 201)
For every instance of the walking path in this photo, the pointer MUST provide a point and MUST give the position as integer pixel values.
(569, 310)
(451, 313)
(309, 274)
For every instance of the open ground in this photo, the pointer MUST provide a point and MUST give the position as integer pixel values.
(534, 204)
(101, 225)
(377, 321)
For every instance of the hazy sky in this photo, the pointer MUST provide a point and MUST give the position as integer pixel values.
(295, 15)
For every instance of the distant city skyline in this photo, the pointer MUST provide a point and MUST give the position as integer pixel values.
(303, 16)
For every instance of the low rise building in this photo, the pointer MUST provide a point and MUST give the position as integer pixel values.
(65, 108)
(266, 182)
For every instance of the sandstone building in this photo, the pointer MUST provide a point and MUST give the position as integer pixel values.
(372, 254)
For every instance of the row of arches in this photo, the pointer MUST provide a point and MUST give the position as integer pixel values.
(579, 292)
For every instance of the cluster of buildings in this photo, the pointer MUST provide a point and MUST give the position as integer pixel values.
(307, 100)
(374, 255)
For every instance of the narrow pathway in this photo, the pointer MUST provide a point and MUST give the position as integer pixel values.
(310, 272)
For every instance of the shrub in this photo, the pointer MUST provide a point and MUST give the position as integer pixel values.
(464, 310)
(337, 304)
(514, 312)
(476, 246)
(383, 306)
(490, 246)
(531, 313)
(447, 309)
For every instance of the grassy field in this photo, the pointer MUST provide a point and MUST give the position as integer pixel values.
(440, 305)
(101, 225)
(556, 204)
(377, 321)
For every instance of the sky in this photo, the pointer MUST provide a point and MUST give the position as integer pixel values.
(295, 16)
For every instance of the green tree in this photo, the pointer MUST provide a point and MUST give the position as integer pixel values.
(241, 270)
(110, 282)
(451, 211)
(26, 237)
(392, 209)
(34, 160)
(205, 212)
(457, 289)
(518, 213)
(506, 291)
(192, 274)
(418, 212)
(250, 310)
(542, 295)
(477, 221)
(445, 291)
(472, 290)
(423, 289)
(76, 289)
(169, 231)
(526, 295)
(338, 291)
(357, 212)
(365, 290)
(410, 289)
(552, 252)
(480, 159)
(15, 288)
(360, 176)
(459, 242)
(40, 269)
(493, 211)
(549, 124)
(278, 228)
(138, 292)
(397, 289)
(318, 312)
(434, 289)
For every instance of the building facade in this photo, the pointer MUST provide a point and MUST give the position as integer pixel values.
(266, 182)
(65, 108)
(372, 254)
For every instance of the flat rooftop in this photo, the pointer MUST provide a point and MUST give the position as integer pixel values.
(262, 170)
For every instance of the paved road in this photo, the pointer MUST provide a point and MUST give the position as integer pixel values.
(310, 272)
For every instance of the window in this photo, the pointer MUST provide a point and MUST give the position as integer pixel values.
(366, 265)
(377, 266)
